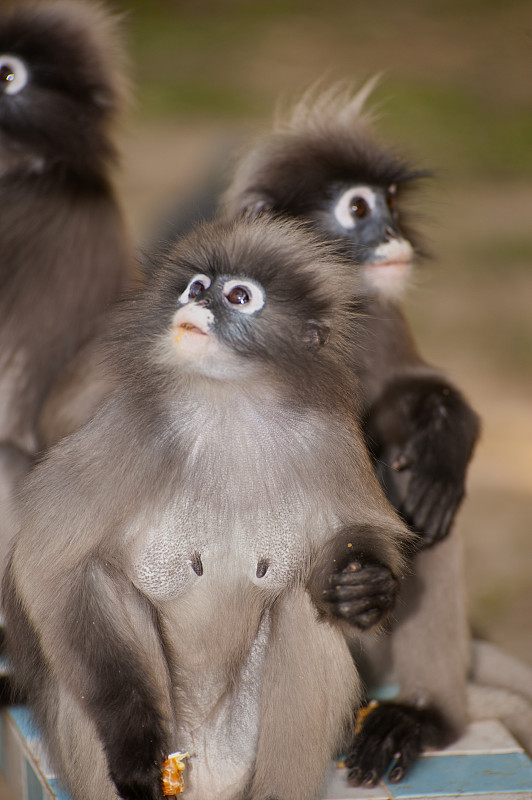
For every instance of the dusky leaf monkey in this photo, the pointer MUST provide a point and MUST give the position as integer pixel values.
(324, 165)
(190, 560)
(65, 254)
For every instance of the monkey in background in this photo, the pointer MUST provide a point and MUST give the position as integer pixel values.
(203, 543)
(324, 166)
(65, 254)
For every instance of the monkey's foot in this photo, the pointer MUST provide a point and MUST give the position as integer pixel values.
(362, 593)
(393, 732)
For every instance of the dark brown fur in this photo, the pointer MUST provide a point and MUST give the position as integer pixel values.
(65, 254)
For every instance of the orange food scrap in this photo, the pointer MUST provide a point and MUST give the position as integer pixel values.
(173, 768)
(363, 713)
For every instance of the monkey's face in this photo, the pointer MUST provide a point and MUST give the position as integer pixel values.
(347, 186)
(211, 314)
(54, 90)
(367, 217)
(249, 298)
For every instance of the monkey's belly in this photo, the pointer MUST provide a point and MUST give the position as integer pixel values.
(220, 662)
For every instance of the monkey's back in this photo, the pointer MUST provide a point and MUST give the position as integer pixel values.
(64, 259)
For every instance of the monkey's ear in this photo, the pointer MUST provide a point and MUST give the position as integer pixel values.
(257, 207)
(315, 334)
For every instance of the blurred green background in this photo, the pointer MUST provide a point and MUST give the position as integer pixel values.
(455, 96)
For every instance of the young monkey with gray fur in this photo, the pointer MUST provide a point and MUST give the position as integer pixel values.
(324, 166)
(189, 561)
(64, 250)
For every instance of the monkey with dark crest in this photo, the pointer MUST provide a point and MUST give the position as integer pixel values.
(324, 166)
(64, 249)
(203, 544)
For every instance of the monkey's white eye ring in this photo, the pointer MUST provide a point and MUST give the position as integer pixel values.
(355, 203)
(245, 296)
(13, 74)
(195, 287)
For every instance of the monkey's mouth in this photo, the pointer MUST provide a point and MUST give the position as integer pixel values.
(395, 253)
(187, 327)
(386, 275)
(390, 262)
(191, 328)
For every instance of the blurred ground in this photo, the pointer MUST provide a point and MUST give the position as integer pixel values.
(457, 96)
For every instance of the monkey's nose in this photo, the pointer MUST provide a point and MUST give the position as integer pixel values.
(204, 302)
(390, 233)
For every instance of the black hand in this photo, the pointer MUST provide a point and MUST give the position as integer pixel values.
(422, 434)
(393, 731)
(361, 593)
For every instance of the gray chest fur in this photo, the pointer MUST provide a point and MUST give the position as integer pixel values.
(249, 508)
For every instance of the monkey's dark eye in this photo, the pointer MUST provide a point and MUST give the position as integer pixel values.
(359, 207)
(195, 287)
(13, 74)
(246, 296)
(238, 295)
(391, 196)
(353, 205)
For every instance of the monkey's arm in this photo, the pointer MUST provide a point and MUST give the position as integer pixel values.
(419, 428)
(422, 432)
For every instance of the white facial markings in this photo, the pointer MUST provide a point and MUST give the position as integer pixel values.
(192, 318)
(14, 74)
(190, 329)
(394, 251)
(347, 209)
(196, 285)
(387, 274)
(244, 295)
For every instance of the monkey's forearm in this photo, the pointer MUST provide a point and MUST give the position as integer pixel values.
(422, 433)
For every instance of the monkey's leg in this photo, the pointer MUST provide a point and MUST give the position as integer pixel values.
(309, 690)
(423, 426)
(430, 647)
(14, 464)
(99, 637)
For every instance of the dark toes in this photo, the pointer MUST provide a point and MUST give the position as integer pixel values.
(396, 774)
(393, 734)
